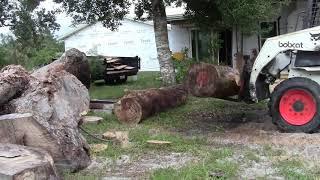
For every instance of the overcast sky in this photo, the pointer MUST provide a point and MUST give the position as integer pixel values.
(65, 21)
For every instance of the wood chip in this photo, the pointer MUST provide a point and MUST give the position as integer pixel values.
(158, 142)
(91, 120)
(98, 147)
(118, 137)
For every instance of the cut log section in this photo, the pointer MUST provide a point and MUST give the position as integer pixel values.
(13, 81)
(207, 80)
(21, 163)
(74, 62)
(56, 99)
(138, 105)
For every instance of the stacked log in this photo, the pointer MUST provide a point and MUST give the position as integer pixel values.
(115, 64)
(138, 105)
(207, 80)
(56, 99)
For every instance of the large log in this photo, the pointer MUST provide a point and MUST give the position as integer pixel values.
(138, 105)
(72, 61)
(207, 80)
(56, 99)
(56, 104)
(13, 81)
(25, 163)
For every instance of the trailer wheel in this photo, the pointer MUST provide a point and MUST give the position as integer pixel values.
(295, 105)
(122, 80)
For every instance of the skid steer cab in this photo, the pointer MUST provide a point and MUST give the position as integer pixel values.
(295, 103)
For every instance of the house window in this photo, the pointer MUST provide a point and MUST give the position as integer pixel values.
(268, 30)
(200, 45)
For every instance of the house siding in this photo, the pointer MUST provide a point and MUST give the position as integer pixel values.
(131, 39)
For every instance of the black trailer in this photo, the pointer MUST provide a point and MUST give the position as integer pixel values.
(117, 69)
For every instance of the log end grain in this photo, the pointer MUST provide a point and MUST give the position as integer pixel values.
(21, 162)
(128, 110)
(201, 80)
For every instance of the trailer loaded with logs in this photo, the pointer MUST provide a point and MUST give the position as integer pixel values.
(117, 69)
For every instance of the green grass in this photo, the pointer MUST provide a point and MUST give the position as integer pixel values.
(145, 80)
(168, 125)
(293, 169)
(212, 164)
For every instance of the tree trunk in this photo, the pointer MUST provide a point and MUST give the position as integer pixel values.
(162, 42)
(207, 80)
(138, 105)
(22, 163)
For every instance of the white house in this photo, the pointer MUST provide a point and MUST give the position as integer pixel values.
(134, 38)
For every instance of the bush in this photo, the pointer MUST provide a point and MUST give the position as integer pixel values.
(97, 68)
(33, 56)
(181, 68)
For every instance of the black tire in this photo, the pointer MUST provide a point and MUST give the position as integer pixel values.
(306, 85)
(110, 81)
(121, 81)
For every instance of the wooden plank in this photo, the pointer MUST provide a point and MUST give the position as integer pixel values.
(129, 67)
(118, 72)
(110, 69)
(112, 60)
(120, 67)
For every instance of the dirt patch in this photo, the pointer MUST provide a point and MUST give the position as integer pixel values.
(253, 129)
(138, 168)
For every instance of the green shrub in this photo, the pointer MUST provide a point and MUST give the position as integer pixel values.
(96, 67)
(181, 68)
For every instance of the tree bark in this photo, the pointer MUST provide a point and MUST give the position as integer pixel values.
(207, 80)
(162, 42)
(138, 105)
(13, 81)
(21, 163)
(74, 62)
(56, 99)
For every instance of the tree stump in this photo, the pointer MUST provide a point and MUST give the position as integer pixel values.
(207, 80)
(25, 163)
(138, 105)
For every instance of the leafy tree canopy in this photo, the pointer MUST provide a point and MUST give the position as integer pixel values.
(222, 14)
(33, 43)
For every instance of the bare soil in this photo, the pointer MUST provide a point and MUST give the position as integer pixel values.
(254, 130)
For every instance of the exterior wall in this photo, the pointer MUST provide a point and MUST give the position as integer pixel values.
(291, 20)
(180, 39)
(249, 43)
(295, 18)
(131, 39)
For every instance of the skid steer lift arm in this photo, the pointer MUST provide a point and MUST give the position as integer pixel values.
(304, 40)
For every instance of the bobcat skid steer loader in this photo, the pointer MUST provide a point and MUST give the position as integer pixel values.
(295, 103)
